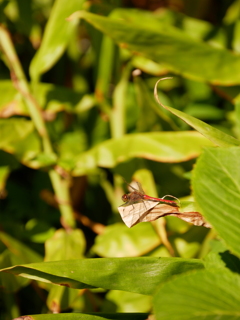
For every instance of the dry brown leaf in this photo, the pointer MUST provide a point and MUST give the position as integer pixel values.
(131, 215)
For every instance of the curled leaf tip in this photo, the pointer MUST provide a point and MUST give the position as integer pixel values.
(155, 90)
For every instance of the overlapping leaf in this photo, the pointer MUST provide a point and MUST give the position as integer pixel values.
(140, 275)
(163, 44)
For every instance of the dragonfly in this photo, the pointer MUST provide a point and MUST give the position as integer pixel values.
(137, 205)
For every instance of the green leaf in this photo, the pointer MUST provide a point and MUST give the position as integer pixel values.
(60, 298)
(14, 130)
(218, 137)
(220, 257)
(4, 173)
(16, 253)
(157, 146)
(65, 245)
(51, 98)
(8, 281)
(90, 316)
(19, 138)
(19, 249)
(121, 301)
(199, 295)
(163, 45)
(217, 192)
(119, 241)
(57, 33)
(140, 275)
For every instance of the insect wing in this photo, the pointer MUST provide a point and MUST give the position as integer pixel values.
(132, 213)
(135, 186)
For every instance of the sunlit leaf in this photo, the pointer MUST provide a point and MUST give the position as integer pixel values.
(56, 36)
(218, 137)
(65, 245)
(199, 295)
(121, 301)
(157, 146)
(60, 298)
(163, 44)
(217, 192)
(51, 98)
(119, 241)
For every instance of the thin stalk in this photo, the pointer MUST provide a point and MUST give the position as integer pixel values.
(19, 79)
(117, 119)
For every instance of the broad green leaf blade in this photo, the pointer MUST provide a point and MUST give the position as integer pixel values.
(218, 137)
(89, 316)
(119, 241)
(65, 245)
(57, 33)
(127, 302)
(140, 275)
(210, 295)
(157, 146)
(216, 186)
(163, 44)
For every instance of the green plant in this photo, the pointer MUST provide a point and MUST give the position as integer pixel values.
(54, 138)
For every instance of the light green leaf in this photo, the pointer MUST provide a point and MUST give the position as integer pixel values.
(140, 275)
(19, 138)
(216, 186)
(121, 301)
(119, 241)
(65, 245)
(157, 146)
(163, 44)
(57, 33)
(14, 130)
(210, 295)
(51, 98)
(60, 298)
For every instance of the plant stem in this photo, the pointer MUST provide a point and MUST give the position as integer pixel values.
(19, 79)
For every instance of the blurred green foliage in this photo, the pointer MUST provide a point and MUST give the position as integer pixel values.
(80, 119)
